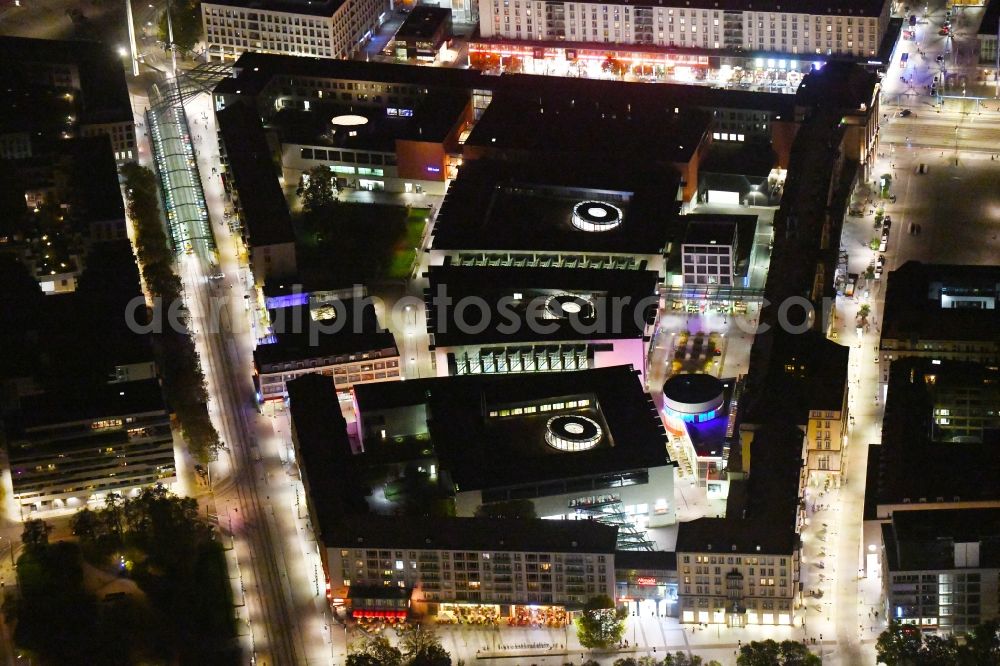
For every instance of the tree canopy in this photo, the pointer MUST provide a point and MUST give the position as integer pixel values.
(318, 188)
(600, 625)
(905, 645)
(773, 653)
(186, 19)
(183, 378)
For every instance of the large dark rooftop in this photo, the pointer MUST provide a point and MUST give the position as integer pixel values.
(254, 71)
(609, 129)
(477, 534)
(528, 206)
(535, 295)
(103, 92)
(921, 540)
(254, 175)
(923, 302)
(760, 517)
(483, 449)
(319, 433)
(423, 22)
(806, 371)
(436, 115)
(912, 466)
(100, 402)
(354, 329)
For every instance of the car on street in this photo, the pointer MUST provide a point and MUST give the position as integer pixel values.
(940, 58)
(905, 113)
(943, 32)
(887, 223)
(922, 169)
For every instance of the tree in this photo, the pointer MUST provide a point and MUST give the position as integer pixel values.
(416, 639)
(520, 509)
(600, 625)
(772, 653)
(682, 659)
(793, 653)
(186, 18)
(86, 525)
(626, 661)
(318, 188)
(35, 536)
(898, 645)
(374, 651)
(982, 645)
(938, 651)
(431, 655)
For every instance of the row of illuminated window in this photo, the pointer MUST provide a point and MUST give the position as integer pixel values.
(532, 409)
(349, 156)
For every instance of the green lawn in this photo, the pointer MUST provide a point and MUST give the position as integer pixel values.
(404, 252)
(352, 243)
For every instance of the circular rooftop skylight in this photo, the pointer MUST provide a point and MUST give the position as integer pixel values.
(561, 306)
(349, 120)
(572, 432)
(596, 216)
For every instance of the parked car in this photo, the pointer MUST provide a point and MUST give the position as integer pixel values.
(886, 223)
(905, 113)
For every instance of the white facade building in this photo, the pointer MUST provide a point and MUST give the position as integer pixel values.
(825, 29)
(334, 29)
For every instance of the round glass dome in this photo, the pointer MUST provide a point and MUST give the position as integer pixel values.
(562, 306)
(596, 216)
(572, 432)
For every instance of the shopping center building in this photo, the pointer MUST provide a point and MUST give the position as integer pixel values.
(578, 445)
(524, 214)
(465, 570)
(486, 320)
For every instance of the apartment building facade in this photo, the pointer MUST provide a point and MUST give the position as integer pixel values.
(474, 562)
(737, 588)
(852, 29)
(331, 29)
(941, 568)
(117, 440)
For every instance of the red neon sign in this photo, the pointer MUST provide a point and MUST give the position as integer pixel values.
(645, 580)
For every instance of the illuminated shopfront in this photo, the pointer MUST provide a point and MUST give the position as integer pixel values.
(646, 583)
(478, 614)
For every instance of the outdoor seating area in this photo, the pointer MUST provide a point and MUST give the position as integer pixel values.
(475, 615)
(695, 352)
(535, 617)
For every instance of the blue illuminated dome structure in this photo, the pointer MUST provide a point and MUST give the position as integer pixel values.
(693, 398)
